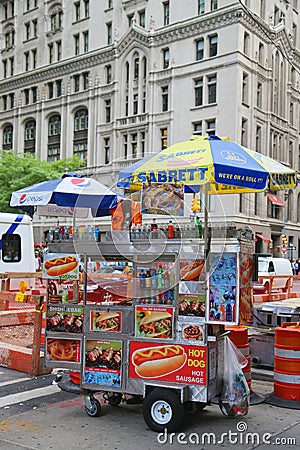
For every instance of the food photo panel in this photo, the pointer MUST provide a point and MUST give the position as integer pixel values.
(190, 329)
(152, 322)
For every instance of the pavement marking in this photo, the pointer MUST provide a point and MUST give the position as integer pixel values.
(28, 395)
(17, 380)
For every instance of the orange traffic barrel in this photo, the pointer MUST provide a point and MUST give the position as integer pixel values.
(44, 320)
(239, 336)
(287, 361)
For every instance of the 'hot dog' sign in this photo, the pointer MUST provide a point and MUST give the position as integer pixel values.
(61, 266)
(171, 362)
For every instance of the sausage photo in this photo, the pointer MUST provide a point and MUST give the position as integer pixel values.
(108, 322)
(156, 325)
(155, 362)
(59, 266)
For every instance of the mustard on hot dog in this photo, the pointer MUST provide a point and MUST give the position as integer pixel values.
(59, 266)
(155, 362)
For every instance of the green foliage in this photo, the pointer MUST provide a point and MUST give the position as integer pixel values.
(19, 171)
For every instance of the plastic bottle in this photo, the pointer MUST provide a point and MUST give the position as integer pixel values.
(199, 227)
(148, 280)
(228, 312)
(142, 277)
(96, 232)
(171, 230)
(154, 279)
(166, 278)
(160, 277)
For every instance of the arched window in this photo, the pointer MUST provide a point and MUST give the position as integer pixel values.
(54, 132)
(8, 137)
(80, 137)
(136, 66)
(29, 136)
(56, 18)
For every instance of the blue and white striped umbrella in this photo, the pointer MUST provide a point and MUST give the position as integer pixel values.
(72, 191)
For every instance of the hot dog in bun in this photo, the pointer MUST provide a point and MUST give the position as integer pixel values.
(191, 271)
(59, 266)
(108, 322)
(156, 324)
(155, 362)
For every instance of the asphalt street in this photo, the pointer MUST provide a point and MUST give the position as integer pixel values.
(36, 414)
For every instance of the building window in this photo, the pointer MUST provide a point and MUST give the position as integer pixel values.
(166, 8)
(106, 150)
(125, 146)
(58, 49)
(246, 43)
(109, 33)
(50, 51)
(54, 126)
(76, 83)
(12, 100)
(86, 41)
(56, 20)
(142, 144)
(144, 102)
(26, 96)
(34, 58)
(11, 60)
(77, 11)
(81, 120)
(166, 58)
(107, 111)
(142, 17)
(259, 95)
(198, 128)
(134, 145)
(86, 8)
(4, 102)
(212, 88)
(211, 127)
(144, 68)
(34, 94)
(108, 71)
(258, 139)
(85, 80)
(34, 25)
(50, 90)
(76, 44)
(27, 31)
(136, 66)
(26, 55)
(58, 88)
(199, 92)
(4, 68)
(165, 98)
(213, 5)
(261, 53)
(135, 104)
(292, 113)
(199, 49)
(7, 137)
(245, 89)
(163, 138)
(30, 129)
(201, 6)
(126, 106)
(244, 132)
(53, 153)
(109, 3)
(213, 45)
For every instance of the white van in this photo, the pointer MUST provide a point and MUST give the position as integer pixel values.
(16, 243)
(268, 266)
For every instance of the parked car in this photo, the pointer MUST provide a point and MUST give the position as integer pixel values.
(268, 266)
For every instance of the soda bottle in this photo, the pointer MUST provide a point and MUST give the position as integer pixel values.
(142, 277)
(199, 227)
(148, 280)
(228, 312)
(160, 277)
(166, 278)
(154, 279)
(171, 230)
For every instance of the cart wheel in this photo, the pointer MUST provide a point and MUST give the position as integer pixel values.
(114, 399)
(93, 409)
(162, 410)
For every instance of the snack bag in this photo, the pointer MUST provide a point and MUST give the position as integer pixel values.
(235, 397)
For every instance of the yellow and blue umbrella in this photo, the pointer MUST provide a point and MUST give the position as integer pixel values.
(227, 166)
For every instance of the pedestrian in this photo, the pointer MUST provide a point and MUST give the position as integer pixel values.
(296, 267)
(38, 262)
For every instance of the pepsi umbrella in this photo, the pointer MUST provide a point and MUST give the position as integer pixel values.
(71, 190)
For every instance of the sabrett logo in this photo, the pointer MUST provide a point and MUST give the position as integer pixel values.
(174, 175)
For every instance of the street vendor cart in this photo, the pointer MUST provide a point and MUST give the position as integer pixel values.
(153, 333)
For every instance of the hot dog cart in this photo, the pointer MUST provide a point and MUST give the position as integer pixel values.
(152, 333)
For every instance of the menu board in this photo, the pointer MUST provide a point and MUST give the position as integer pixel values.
(61, 266)
(110, 322)
(65, 319)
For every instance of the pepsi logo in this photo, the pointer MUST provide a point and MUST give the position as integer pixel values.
(22, 199)
(80, 182)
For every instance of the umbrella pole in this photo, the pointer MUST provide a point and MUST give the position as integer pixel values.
(206, 231)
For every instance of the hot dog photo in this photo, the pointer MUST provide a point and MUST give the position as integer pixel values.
(191, 270)
(154, 322)
(58, 265)
(155, 362)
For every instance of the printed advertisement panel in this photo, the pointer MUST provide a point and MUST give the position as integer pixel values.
(173, 363)
(154, 322)
(65, 319)
(63, 349)
(223, 288)
(106, 321)
(103, 362)
(161, 198)
(61, 266)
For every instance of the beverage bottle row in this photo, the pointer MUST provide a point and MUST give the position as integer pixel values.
(167, 231)
(163, 298)
(160, 277)
(81, 232)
